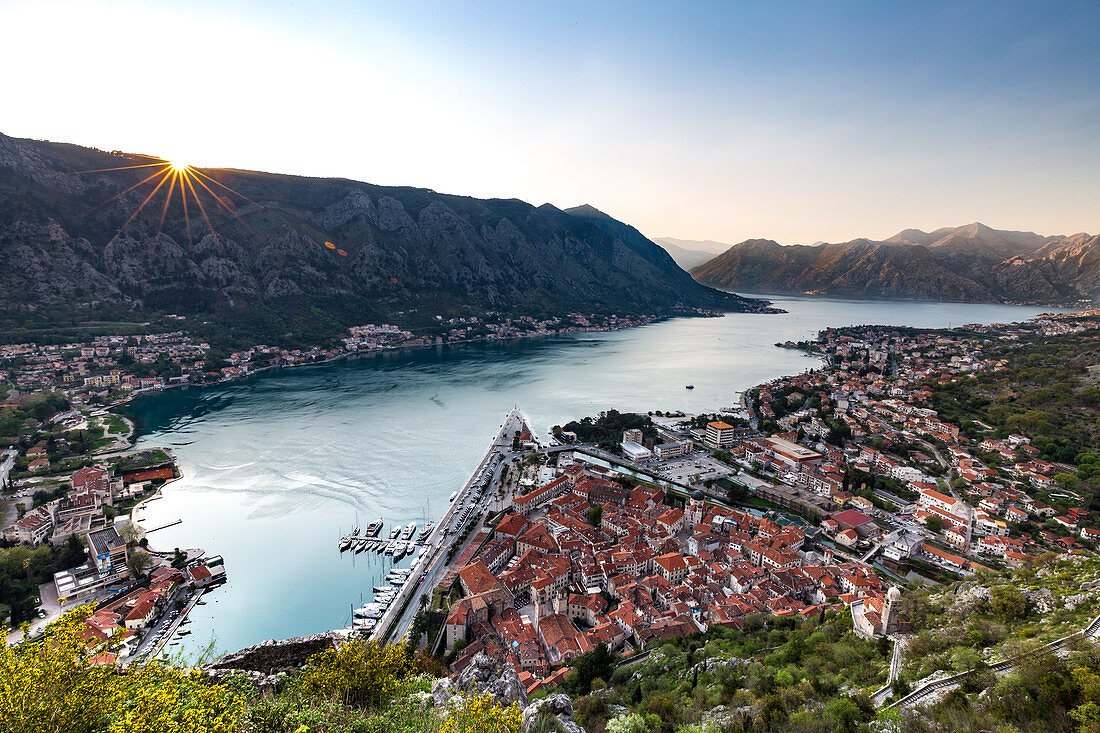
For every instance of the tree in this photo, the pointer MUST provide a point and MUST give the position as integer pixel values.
(596, 664)
(736, 493)
(131, 533)
(934, 524)
(419, 627)
(842, 713)
(358, 673)
(633, 723)
(1008, 603)
(138, 562)
(595, 513)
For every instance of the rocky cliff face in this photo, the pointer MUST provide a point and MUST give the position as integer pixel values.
(967, 264)
(288, 244)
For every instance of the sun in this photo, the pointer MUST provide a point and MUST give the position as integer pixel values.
(178, 166)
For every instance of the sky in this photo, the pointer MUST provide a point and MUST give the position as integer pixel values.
(795, 121)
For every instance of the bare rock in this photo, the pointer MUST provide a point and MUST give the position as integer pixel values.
(482, 675)
(1042, 600)
(274, 656)
(559, 706)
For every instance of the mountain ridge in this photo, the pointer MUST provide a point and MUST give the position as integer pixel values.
(969, 263)
(282, 250)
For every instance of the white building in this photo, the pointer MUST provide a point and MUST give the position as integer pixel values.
(635, 451)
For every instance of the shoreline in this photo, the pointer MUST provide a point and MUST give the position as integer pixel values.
(136, 433)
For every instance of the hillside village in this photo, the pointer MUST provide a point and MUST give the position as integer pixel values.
(830, 490)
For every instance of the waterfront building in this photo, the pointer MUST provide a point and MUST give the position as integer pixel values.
(673, 449)
(635, 451)
(108, 551)
(720, 434)
(791, 454)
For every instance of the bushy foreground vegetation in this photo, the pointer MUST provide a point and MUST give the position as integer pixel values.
(59, 685)
(991, 617)
(1043, 692)
(775, 675)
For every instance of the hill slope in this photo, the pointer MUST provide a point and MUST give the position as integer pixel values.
(972, 263)
(268, 261)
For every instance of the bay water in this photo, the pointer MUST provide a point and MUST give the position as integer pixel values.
(277, 466)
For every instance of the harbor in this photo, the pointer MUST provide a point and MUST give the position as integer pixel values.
(392, 603)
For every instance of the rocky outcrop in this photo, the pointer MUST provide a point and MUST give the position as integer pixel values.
(270, 658)
(558, 707)
(482, 675)
(973, 263)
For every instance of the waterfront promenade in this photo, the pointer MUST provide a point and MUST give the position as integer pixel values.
(433, 564)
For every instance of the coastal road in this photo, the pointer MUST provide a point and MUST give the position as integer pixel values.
(433, 565)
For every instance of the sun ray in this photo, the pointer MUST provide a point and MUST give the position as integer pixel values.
(152, 193)
(198, 201)
(223, 205)
(121, 168)
(186, 215)
(128, 190)
(167, 200)
(227, 188)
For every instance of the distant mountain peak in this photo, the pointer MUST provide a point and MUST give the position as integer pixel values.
(587, 211)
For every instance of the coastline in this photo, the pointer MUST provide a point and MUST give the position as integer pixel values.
(135, 432)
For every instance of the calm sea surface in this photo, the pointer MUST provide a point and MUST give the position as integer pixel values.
(276, 467)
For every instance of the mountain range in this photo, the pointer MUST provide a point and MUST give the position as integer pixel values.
(272, 252)
(971, 263)
(689, 253)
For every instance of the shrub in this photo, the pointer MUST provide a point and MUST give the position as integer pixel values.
(478, 713)
(359, 673)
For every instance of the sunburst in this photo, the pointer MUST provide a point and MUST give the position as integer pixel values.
(171, 176)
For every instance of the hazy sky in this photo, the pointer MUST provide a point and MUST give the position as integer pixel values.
(794, 121)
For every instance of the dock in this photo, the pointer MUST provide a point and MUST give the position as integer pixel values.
(397, 619)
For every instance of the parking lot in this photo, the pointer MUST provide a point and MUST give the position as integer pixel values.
(695, 468)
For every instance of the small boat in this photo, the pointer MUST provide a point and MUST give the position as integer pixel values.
(425, 531)
(394, 532)
(383, 588)
(355, 532)
(391, 548)
(345, 544)
(370, 610)
(374, 527)
(185, 632)
(201, 603)
(408, 532)
(454, 495)
(690, 386)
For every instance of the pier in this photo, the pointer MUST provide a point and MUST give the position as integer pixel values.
(431, 565)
